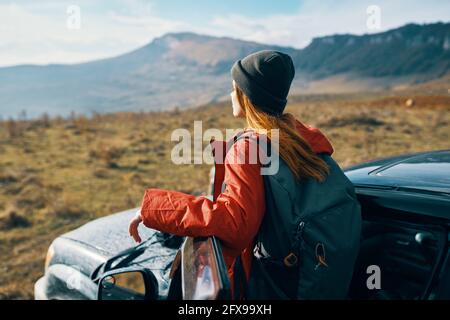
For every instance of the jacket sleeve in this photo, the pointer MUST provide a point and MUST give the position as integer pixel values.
(234, 217)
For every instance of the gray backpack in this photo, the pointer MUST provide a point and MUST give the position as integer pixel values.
(309, 238)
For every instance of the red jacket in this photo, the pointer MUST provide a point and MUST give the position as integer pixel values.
(234, 215)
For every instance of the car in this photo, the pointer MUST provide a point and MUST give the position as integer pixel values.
(405, 203)
(404, 252)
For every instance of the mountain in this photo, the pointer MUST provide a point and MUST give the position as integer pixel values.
(409, 50)
(188, 69)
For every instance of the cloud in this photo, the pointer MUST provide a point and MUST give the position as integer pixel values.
(40, 35)
(36, 32)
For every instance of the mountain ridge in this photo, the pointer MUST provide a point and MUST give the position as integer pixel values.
(186, 69)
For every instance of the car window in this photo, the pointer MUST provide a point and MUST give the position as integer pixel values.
(200, 270)
(426, 168)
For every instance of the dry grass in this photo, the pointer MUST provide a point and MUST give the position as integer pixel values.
(56, 174)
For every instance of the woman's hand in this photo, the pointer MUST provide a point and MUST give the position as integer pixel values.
(133, 227)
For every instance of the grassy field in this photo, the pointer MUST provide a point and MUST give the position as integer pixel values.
(57, 174)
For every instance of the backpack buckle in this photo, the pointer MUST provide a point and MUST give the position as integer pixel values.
(290, 260)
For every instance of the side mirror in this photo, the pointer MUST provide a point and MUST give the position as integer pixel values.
(126, 284)
(203, 271)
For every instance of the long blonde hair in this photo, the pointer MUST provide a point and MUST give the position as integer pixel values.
(293, 149)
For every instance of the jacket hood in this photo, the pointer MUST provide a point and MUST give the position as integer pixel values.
(318, 141)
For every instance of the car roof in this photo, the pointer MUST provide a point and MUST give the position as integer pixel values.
(426, 171)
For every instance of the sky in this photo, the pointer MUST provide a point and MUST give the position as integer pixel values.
(61, 31)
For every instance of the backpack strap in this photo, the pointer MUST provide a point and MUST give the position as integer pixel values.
(260, 261)
(239, 278)
(240, 135)
(249, 134)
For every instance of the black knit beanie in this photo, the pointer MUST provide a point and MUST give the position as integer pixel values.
(265, 78)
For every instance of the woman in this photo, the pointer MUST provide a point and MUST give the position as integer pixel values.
(261, 83)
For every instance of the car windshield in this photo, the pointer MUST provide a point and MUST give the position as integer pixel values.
(429, 168)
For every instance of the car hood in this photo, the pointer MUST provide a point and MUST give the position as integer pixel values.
(109, 234)
(93, 243)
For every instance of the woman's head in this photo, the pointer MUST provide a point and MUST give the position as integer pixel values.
(265, 77)
(267, 115)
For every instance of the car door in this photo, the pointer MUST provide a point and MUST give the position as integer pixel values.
(199, 271)
(442, 291)
(401, 252)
